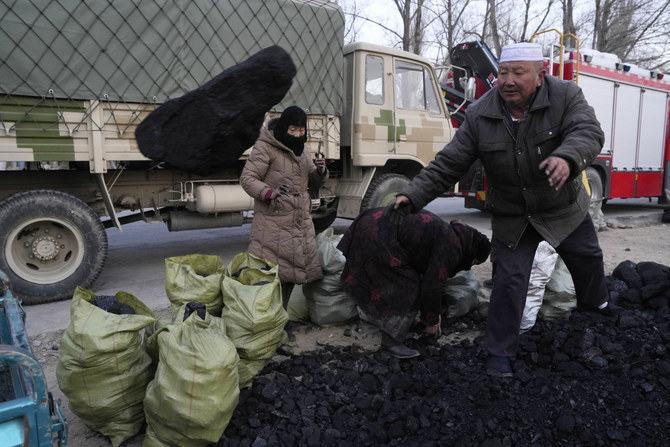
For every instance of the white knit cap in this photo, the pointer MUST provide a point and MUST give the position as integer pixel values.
(522, 51)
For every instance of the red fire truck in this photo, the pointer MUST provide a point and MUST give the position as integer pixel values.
(631, 103)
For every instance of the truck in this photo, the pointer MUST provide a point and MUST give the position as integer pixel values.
(78, 77)
(631, 103)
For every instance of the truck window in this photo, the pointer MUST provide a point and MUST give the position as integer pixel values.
(413, 86)
(374, 80)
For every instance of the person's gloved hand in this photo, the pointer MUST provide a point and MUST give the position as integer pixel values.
(399, 209)
(320, 165)
(273, 193)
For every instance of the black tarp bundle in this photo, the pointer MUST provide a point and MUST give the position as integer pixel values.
(209, 128)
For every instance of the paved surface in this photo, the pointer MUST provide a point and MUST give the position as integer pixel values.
(136, 260)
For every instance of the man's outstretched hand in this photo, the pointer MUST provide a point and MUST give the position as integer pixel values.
(399, 209)
(557, 169)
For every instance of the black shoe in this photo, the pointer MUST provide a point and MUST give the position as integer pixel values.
(291, 327)
(611, 311)
(397, 349)
(497, 366)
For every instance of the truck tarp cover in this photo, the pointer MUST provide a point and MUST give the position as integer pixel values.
(146, 52)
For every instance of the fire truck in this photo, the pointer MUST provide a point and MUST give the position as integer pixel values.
(631, 103)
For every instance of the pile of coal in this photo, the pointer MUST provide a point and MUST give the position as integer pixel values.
(641, 285)
(586, 380)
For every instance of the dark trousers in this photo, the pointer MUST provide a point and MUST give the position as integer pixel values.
(286, 290)
(582, 256)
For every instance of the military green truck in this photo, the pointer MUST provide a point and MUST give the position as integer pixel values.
(76, 78)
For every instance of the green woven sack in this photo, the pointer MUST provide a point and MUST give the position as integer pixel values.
(253, 311)
(196, 388)
(103, 368)
(194, 278)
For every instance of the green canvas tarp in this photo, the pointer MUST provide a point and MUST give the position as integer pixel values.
(149, 52)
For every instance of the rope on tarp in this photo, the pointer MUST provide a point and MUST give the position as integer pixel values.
(132, 52)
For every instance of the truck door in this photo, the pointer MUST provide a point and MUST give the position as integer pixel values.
(375, 133)
(396, 109)
(420, 119)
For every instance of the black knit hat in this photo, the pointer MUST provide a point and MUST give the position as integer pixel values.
(291, 116)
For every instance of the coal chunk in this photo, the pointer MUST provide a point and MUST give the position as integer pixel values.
(209, 128)
(112, 305)
(195, 306)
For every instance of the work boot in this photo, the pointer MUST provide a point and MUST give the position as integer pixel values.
(397, 349)
(611, 310)
(498, 366)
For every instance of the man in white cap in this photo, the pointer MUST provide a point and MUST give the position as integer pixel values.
(534, 135)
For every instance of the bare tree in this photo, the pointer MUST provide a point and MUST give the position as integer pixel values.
(568, 23)
(514, 26)
(451, 19)
(412, 20)
(413, 28)
(634, 30)
(493, 23)
(351, 16)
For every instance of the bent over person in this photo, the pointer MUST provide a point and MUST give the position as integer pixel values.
(277, 175)
(393, 271)
(534, 135)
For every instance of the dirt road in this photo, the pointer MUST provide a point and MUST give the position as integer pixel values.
(620, 242)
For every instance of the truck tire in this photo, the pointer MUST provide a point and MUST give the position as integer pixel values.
(595, 184)
(323, 220)
(51, 242)
(382, 190)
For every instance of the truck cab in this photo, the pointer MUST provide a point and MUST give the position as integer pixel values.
(393, 124)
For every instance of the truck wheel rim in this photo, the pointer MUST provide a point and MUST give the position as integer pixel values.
(44, 251)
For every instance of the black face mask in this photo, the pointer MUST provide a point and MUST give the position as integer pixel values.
(292, 116)
(296, 144)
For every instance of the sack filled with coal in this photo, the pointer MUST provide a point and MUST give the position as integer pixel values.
(196, 387)
(253, 311)
(209, 128)
(103, 368)
(194, 277)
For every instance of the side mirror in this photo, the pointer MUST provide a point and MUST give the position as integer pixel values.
(470, 89)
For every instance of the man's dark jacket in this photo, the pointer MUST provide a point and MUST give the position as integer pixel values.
(559, 122)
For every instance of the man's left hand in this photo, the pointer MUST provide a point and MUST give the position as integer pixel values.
(557, 169)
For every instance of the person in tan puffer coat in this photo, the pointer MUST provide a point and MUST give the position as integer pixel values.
(277, 175)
